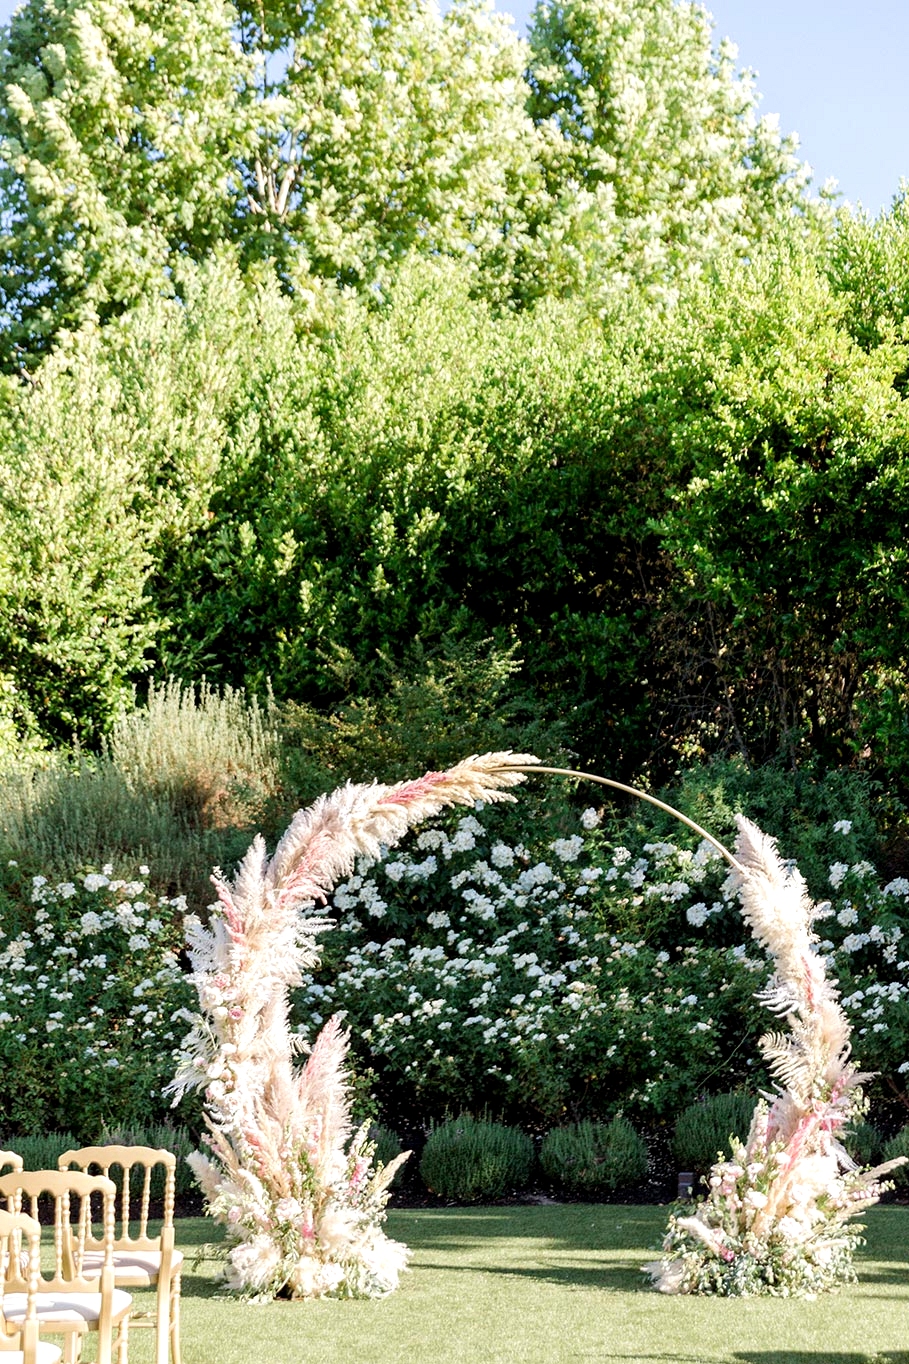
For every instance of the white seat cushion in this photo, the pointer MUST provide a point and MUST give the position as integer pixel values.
(47, 1354)
(133, 1268)
(64, 1308)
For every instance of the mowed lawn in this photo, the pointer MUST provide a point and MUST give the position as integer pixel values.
(549, 1283)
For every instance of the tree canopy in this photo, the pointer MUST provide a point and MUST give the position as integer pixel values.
(337, 336)
(335, 138)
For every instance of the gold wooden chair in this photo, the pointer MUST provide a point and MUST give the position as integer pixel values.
(141, 1259)
(19, 1343)
(69, 1302)
(11, 1159)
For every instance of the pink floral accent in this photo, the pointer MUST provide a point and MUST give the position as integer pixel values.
(279, 1134)
(778, 1211)
(414, 790)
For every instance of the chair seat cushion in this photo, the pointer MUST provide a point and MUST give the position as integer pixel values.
(132, 1268)
(47, 1354)
(66, 1309)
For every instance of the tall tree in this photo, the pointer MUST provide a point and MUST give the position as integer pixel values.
(331, 138)
(658, 132)
(385, 129)
(119, 135)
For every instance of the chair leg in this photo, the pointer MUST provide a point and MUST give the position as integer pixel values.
(72, 1347)
(123, 1342)
(175, 1355)
(162, 1331)
(105, 1344)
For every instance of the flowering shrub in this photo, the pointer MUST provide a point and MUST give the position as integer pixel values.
(531, 979)
(581, 973)
(532, 974)
(93, 1001)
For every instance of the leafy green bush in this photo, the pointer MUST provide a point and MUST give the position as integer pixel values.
(702, 1130)
(388, 1145)
(254, 502)
(819, 816)
(181, 784)
(426, 711)
(595, 1158)
(898, 1145)
(468, 1159)
(159, 1136)
(864, 1143)
(39, 1151)
(42, 1151)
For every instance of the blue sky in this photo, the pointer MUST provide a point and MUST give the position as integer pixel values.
(833, 70)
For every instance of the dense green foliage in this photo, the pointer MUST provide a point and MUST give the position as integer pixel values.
(43, 1150)
(470, 1159)
(350, 356)
(897, 1146)
(703, 1130)
(594, 1158)
(688, 527)
(181, 785)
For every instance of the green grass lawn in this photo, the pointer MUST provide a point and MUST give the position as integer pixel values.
(549, 1283)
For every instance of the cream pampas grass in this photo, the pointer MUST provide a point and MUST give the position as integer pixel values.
(295, 1188)
(776, 1217)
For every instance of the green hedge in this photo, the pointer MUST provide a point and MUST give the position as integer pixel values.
(595, 1158)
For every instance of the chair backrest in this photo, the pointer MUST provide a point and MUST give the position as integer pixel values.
(126, 1159)
(11, 1159)
(72, 1236)
(16, 1228)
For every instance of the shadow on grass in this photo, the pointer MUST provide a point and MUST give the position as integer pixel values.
(575, 1245)
(638, 1358)
(577, 1227)
(816, 1357)
(607, 1277)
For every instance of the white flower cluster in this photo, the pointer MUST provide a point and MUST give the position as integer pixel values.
(93, 985)
(507, 974)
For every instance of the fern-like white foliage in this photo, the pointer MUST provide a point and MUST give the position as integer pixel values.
(775, 1217)
(811, 1060)
(297, 1192)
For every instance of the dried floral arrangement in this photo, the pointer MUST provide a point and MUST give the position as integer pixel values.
(295, 1187)
(776, 1218)
(298, 1193)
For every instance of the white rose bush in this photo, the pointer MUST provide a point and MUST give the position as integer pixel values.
(93, 999)
(540, 975)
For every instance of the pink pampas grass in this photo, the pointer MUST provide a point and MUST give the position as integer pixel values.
(775, 1219)
(298, 1194)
